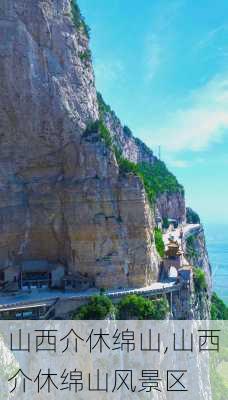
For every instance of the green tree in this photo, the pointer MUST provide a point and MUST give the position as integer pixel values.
(219, 310)
(78, 19)
(137, 307)
(199, 279)
(159, 243)
(98, 308)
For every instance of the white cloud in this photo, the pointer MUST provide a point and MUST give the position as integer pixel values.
(203, 121)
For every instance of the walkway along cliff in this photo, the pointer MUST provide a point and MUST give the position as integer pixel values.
(80, 196)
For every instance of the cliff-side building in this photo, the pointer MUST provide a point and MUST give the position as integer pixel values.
(32, 274)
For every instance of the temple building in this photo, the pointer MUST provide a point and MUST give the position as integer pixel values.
(173, 257)
(32, 274)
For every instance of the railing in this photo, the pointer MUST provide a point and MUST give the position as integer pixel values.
(52, 302)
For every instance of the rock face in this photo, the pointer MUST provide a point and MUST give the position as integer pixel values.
(62, 198)
(171, 205)
(168, 205)
(133, 149)
(197, 255)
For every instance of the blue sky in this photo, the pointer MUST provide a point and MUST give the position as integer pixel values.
(162, 65)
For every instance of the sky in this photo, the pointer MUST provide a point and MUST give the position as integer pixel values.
(162, 65)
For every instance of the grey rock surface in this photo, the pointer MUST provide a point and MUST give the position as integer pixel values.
(61, 196)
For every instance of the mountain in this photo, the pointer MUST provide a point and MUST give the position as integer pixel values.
(76, 187)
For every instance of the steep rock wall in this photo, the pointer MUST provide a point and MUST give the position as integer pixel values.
(133, 149)
(171, 205)
(197, 255)
(61, 195)
(168, 204)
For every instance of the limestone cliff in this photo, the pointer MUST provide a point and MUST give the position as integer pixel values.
(133, 149)
(196, 252)
(169, 203)
(62, 197)
(197, 255)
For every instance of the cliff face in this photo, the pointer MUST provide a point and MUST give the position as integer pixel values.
(62, 197)
(196, 253)
(132, 148)
(171, 205)
(168, 204)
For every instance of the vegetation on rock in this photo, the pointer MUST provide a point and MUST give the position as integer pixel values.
(102, 106)
(85, 55)
(127, 131)
(219, 310)
(156, 178)
(100, 128)
(98, 308)
(192, 217)
(78, 19)
(190, 247)
(137, 307)
(159, 243)
(129, 307)
(199, 279)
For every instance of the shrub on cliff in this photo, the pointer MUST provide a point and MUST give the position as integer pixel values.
(159, 179)
(137, 307)
(156, 178)
(159, 243)
(192, 217)
(219, 310)
(199, 279)
(126, 166)
(78, 19)
(97, 308)
(190, 247)
(127, 131)
(105, 134)
(85, 56)
(99, 128)
(102, 106)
